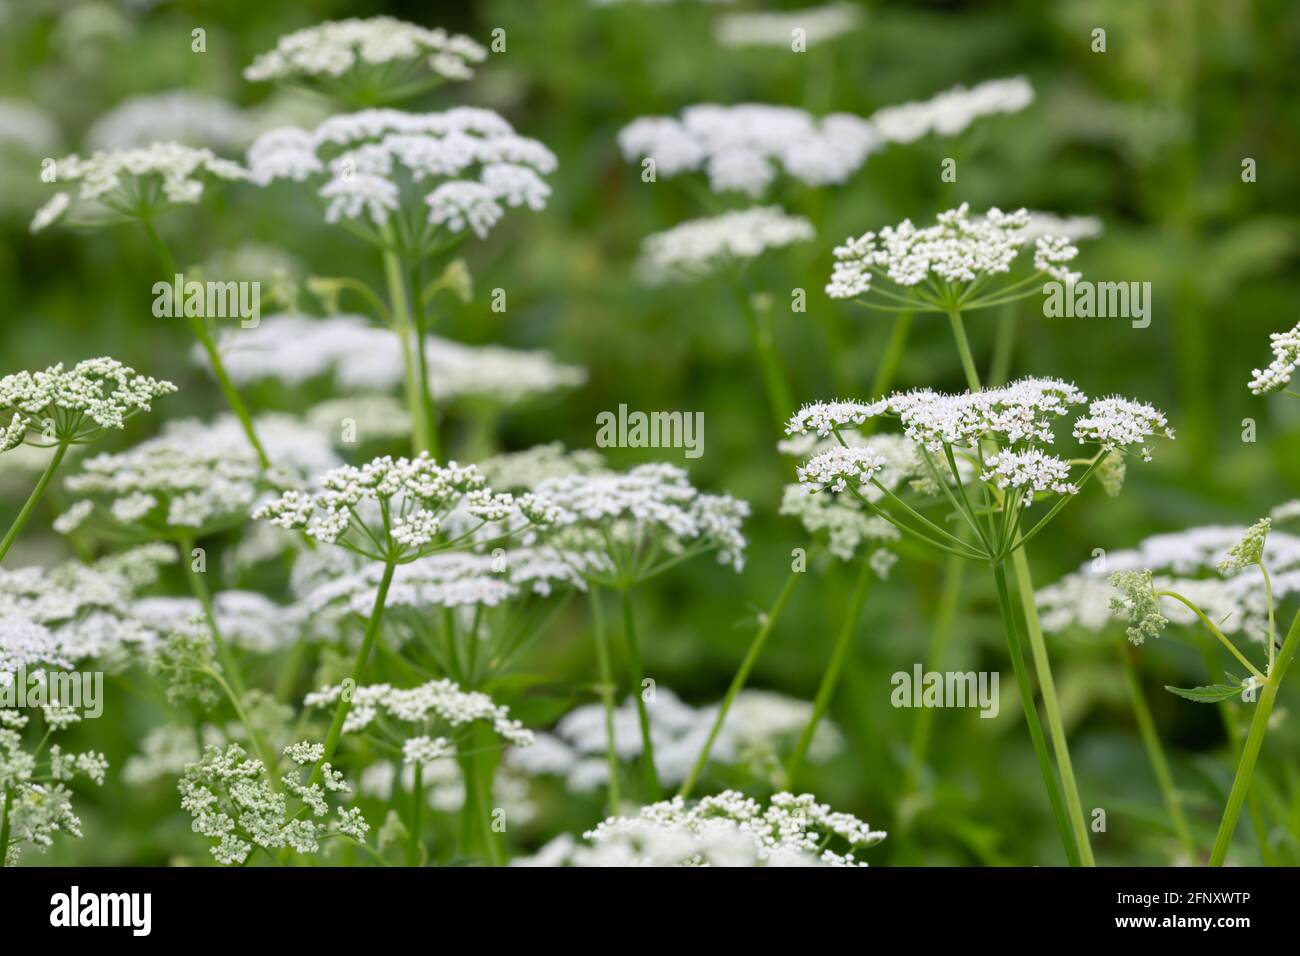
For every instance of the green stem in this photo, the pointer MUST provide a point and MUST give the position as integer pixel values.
(1011, 625)
(1047, 687)
(199, 587)
(945, 614)
(1004, 339)
(778, 394)
(831, 676)
(1254, 741)
(417, 809)
(606, 695)
(403, 326)
(738, 682)
(892, 355)
(30, 505)
(345, 698)
(643, 715)
(963, 350)
(422, 365)
(1156, 754)
(4, 826)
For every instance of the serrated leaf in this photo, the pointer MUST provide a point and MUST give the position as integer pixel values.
(1209, 694)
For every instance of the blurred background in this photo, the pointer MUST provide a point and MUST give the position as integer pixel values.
(1148, 136)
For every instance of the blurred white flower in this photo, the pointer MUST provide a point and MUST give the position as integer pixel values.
(950, 112)
(700, 247)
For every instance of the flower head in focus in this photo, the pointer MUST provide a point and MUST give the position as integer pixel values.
(1286, 355)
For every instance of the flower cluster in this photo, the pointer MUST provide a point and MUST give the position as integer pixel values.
(467, 162)
(138, 183)
(819, 25)
(73, 406)
(740, 147)
(435, 703)
(727, 829)
(1286, 355)
(394, 510)
(329, 50)
(703, 246)
(232, 800)
(957, 252)
(950, 112)
(651, 510)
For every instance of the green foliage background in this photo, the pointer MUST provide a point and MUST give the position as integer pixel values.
(1149, 136)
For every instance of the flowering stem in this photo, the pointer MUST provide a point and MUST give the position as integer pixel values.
(1254, 741)
(30, 505)
(1213, 629)
(200, 330)
(199, 587)
(4, 826)
(416, 386)
(422, 362)
(1011, 626)
(778, 394)
(831, 676)
(636, 673)
(417, 806)
(1156, 754)
(892, 355)
(345, 698)
(767, 623)
(963, 350)
(606, 695)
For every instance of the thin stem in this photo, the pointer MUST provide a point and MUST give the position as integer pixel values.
(1003, 342)
(30, 505)
(606, 694)
(5, 826)
(417, 808)
(1156, 754)
(635, 672)
(403, 327)
(1047, 687)
(892, 355)
(768, 622)
(1213, 629)
(831, 676)
(1254, 741)
(199, 587)
(1011, 625)
(953, 572)
(422, 363)
(1272, 621)
(778, 394)
(963, 350)
(345, 698)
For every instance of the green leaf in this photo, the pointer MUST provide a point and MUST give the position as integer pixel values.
(1210, 694)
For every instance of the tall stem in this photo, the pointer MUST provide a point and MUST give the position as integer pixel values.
(358, 668)
(963, 350)
(200, 331)
(954, 571)
(778, 394)
(1254, 741)
(417, 810)
(831, 676)
(893, 354)
(1051, 707)
(30, 505)
(1011, 625)
(5, 825)
(643, 715)
(1156, 754)
(403, 326)
(606, 694)
(738, 682)
(422, 359)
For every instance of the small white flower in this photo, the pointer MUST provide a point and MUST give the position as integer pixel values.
(702, 246)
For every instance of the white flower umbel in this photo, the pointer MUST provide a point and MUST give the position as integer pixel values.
(1117, 422)
(528, 468)
(180, 116)
(58, 408)
(1286, 355)
(1029, 472)
(645, 520)
(701, 247)
(819, 25)
(446, 172)
(369, 61)
(37, 804)
(952, 266)
(742, 148)
(951, 112)
(437, 704)
(132, 184)
(727, 829)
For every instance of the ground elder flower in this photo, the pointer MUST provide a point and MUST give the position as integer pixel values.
(127, 184)
(76, 405)
(432, 704)
(819, 25)
(959, 254)
(950, 112)
(1117, 422)
(180, 116)
(346, 57)
(835, 468)
(727, 829)
(1031, 472)
(1286, 355)
(823, 418)
(1137, 600)
(1249, 550)
(703, 246)
(742, 147)
(1023, 411)
(467, 164)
